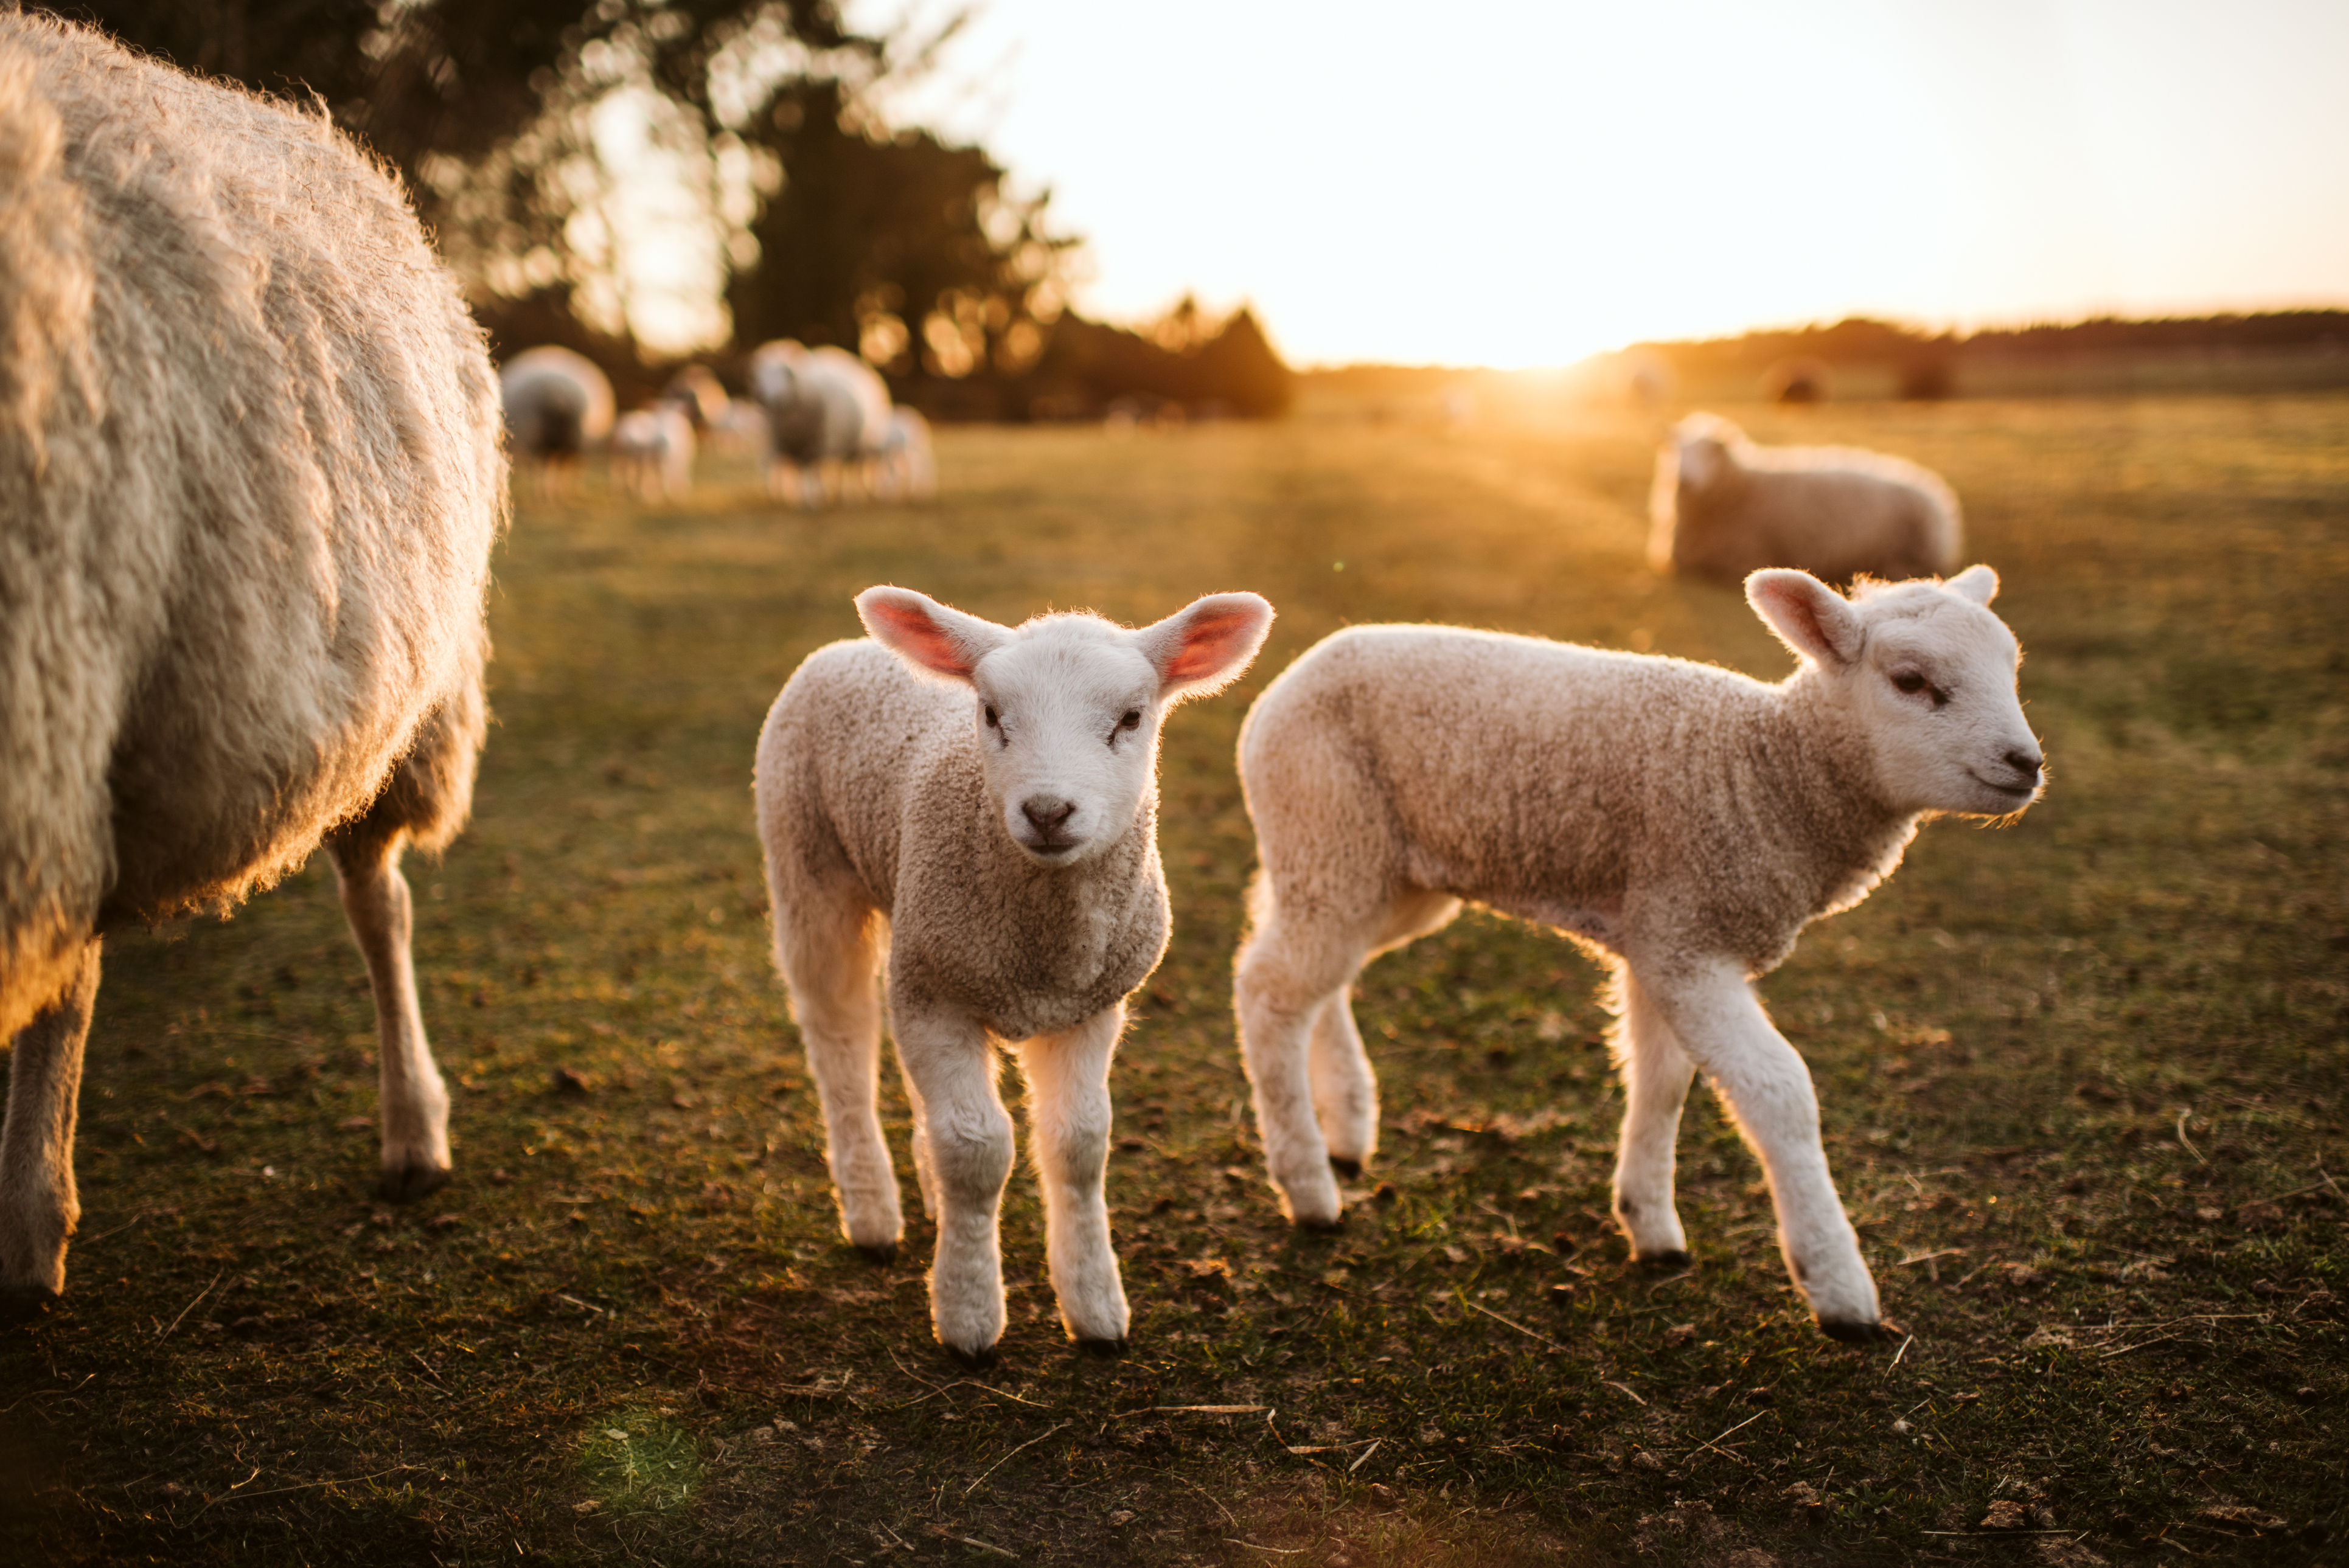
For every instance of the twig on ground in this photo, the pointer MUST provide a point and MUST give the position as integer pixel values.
(2185, 1142)
(166, 1334)
(44, 1393)
(1624, 1389)
(1714, 1443)
(1520, 1327)
(1007, 1457)
(232, 1496)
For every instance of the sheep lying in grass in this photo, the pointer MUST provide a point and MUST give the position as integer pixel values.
(557, 405)
(652, 452)
(903, 467)
(980, 804)
(1681, 822)
(1722, 507)
(249, 481)
(827, 411)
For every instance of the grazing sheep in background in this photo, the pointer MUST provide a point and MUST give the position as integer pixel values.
(249, 481)
(1682, 823)
(904, 468)
(826, 411)
(696, 390)
(652, 452)
(1724, 507)
(557, 405)
(979, 805)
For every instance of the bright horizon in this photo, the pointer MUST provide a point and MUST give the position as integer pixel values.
(1538, 182)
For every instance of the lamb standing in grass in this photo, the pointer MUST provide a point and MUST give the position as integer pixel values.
(1681, 822)
(652, 452)
(1722, 507)
(980, 804)
(249, 480)
(904, 468)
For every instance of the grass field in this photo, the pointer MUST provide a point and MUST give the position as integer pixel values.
(2082, 1082)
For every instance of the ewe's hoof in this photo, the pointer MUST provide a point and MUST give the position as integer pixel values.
(24, 1302)
(1881, 1332)
(1665, 1262)
(1351, 1170)
(881, 1253)
(406, 1183)
(978, 1360)
(1102, 1349)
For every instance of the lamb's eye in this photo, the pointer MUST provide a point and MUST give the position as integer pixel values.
(1908, 682)
(1133, 719)
(991, 721)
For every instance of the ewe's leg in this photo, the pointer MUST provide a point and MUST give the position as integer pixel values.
(37, 1204)
(829, 951)
(415, 1102)
(1069, 1122)
(1656, 1076)
(1345, 1090)
(951, 1063)
(1719, 1022)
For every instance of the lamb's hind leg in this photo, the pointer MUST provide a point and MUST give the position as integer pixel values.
(1068, 1119)
(38, 1206)
(415, 1102)
(1656, 1076)
(1345, 1089)
(829, 951)
(1289, 972)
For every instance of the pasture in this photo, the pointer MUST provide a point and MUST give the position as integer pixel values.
(2082, 1082)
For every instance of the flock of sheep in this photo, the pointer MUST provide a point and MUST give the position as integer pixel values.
(251, 475)
(822, 418)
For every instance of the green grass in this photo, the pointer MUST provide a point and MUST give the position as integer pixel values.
(2082, 1082)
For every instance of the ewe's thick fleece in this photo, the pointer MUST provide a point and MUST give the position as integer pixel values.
(250, 477)
(1833, 511)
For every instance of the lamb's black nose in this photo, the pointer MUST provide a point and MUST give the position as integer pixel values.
(1047, 812)
(2025, 763)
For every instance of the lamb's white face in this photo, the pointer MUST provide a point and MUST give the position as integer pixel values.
(1931, 675)
(1068, 735)
(1067, 708)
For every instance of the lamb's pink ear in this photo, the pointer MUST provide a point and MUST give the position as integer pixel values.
(1979, 583)
(1206, 646)
(1809, 617)
(925, 633)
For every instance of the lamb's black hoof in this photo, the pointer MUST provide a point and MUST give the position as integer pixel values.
(406, 1183)
(972, 1360)
(1665, 1262)
(1102, 1349)
(24, 1302)
(884, 1254)
(1351, 1170)
(1881, 1332)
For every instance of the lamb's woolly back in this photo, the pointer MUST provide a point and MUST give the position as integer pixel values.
(227, 345)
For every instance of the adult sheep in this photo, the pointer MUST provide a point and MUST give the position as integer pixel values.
(250, 478)
(557, 405)
(827, 413)
(1722, 507)
(1681, 822)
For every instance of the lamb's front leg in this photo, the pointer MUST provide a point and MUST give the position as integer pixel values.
(38, 1206)
(1069, 1120)
(414, 1100)
(1656, 1074)
(950, 1061)
(1720, 1023)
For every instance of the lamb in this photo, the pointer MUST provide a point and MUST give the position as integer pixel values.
(652, 452)
(1722, 507)
(978, 805)
(250, 477)
(826, 410)
(557, 405)
(904, 466)
(1681, 822)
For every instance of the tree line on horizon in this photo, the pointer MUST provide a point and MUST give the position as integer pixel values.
(834, 226)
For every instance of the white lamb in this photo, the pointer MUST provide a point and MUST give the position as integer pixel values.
(250, 478)
(827, 411)
(1722, 507)
(904, 468)
(979, 805)
(557, 405)
(1681, 822)
(652, 452)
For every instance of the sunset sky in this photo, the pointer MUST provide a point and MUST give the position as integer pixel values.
(1521, 184)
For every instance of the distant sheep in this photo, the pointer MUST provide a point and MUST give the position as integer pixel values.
(976, 806)
(904, 468)
(1682, 823)
(827, 413)
(696, 391)
(250, 475)
(652, 452)
(1722, 507)
(557, 405)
